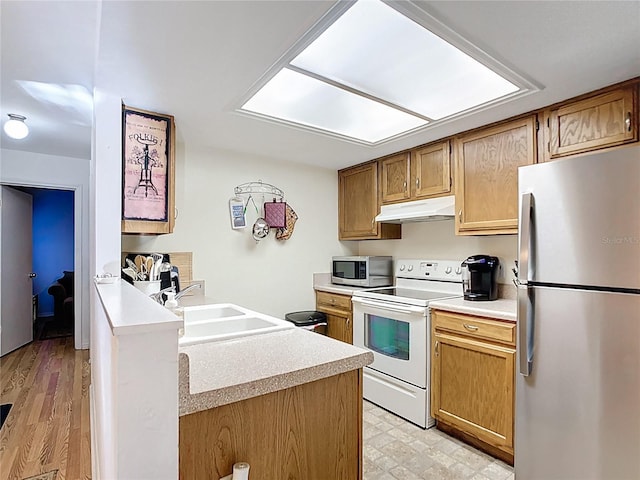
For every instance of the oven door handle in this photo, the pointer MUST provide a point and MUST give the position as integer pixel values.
(393, 308)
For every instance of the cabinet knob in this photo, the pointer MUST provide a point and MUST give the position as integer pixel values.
(627, 121)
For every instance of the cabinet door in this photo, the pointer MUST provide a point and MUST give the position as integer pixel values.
(431, 170)
(338, 325)
(487, 164)
(602, 121)
(358, 201)
(395, 178)
(358, 205)
(472, 388)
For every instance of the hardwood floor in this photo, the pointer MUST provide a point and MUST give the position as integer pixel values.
(47, 428)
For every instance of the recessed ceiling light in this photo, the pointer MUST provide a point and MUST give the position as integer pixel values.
(374, 74)
(15, 126)
(301, 99)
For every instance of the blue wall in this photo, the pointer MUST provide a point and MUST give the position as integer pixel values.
(52, 241)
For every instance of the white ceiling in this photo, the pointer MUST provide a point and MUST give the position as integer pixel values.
(198, 60)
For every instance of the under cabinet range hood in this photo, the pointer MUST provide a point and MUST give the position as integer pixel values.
(430, 210)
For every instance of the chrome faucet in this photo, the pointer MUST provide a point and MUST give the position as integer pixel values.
(189, 288)
(158, 295)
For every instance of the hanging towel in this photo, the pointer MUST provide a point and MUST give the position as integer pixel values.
(286, 232)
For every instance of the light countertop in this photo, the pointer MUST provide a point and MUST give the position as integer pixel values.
(322, 282)
(130, 311)
(218, 373)
(502, 309)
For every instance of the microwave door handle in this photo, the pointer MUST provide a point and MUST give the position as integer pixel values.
(392, 308)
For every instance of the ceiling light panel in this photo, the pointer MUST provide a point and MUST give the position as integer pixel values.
(375, 49)
(298, 98)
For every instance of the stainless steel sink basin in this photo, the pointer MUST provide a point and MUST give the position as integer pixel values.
(215, 323)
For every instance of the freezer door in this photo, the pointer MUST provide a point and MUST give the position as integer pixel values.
(585, 220)
(578, 411)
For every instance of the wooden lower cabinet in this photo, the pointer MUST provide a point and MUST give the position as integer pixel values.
(472, 383)
(309, 432)
(339, 314)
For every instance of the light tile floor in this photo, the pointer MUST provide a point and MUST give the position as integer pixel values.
(395, 449)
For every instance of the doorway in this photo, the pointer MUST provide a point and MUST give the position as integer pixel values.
(55, 262)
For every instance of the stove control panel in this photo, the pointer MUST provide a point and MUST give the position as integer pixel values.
(448, 270)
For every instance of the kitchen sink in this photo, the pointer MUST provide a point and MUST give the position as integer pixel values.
(211, 312)
(215, 323)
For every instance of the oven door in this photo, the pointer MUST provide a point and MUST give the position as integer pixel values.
(396, 334)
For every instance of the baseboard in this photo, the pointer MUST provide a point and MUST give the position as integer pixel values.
(95, 474)
(506, 457)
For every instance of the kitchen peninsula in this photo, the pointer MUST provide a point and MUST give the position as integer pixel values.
(289, 403)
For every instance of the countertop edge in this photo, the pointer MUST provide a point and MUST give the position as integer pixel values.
(194, 403)
(501, 309)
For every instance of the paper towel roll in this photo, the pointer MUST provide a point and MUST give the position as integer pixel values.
(240, 471)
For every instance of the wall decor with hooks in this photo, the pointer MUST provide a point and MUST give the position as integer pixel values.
(259, 188)
(275, 213)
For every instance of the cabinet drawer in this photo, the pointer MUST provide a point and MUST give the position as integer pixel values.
(475, 326)
(342, 302)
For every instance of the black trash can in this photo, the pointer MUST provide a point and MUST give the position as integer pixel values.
(309, 320)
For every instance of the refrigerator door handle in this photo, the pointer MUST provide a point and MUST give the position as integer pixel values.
(526, 205)
(525, 331)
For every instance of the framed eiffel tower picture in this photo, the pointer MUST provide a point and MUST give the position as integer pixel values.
(148, 170)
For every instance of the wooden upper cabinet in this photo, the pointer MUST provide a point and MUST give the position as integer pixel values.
(605, 120)
(358, 205)
(487, 162)
(431, 170)
(422, 173)
(395, 178)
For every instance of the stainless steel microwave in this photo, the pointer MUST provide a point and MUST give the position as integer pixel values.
(362, 271)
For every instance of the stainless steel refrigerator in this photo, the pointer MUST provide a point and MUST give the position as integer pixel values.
(578, 372)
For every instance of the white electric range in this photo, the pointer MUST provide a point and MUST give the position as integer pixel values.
(394, 323)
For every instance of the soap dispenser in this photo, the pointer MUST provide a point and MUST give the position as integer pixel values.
(171, 301)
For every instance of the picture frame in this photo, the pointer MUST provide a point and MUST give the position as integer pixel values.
(148, 172)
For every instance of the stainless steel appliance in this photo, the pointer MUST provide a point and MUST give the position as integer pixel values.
(578, 387)
(362, 271)
(394, 324)
(479, 277)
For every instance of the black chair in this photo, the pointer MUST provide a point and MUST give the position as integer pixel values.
(62, 292)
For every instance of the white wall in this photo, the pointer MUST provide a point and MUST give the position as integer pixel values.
(39, 170)
(437, 240)
(105, 253)
(272, 276)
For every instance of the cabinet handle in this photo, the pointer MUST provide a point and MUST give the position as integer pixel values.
(417, 183)
(471, 328)
(404, 185)
(460, 216)
(627, 122)
(436, 350)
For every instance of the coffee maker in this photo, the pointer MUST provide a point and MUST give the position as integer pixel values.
(479, 275)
